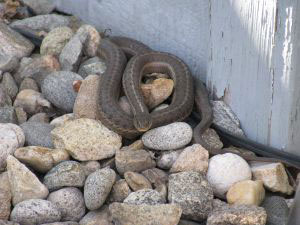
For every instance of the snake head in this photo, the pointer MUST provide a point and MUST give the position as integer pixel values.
(142, 122)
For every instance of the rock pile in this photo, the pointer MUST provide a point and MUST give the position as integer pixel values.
(60, 165)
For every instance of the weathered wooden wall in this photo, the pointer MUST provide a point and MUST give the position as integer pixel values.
(247, 52)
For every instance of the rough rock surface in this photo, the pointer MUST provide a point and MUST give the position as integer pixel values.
(93, 65)
(8, 115)
(90, 167)
(9, 85)
(120, 191)
(137, 181)
(40, 6)
(8, 63)
(5, 204)
(145, 196)
(167, 159)
(96, 217)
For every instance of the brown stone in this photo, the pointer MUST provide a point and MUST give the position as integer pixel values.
(120, 191)
(5, 204)
(137, 181)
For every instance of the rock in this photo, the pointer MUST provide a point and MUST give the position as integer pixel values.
(37, 157)
(4, 98)
(92, 42)
(13, 44)
(86, 103)
(193, 193)
(145, 196)
(28, 83)
(55, 41)
(40, 118)
(21, 115)
(137, 145)
(156, 176)
(4, 184)
(90, 167)
(99, 141)
(40, 6)
(224, 117)
(8, 115)
(137, 181)
(8, 63)
(157, 91)
(62, 119)
(97, 217)
(290, 203)
(42, 22)
(225, 170)
(70, 55)
(10, 86)
(132, 160)
(5, 222)
(162, 190)
(65, 174)
(238, 215)
(169, 137)
(273, 176)
(37, 68)
(5, 199)
(93, 65)
(160, 107)
(11, 138)
(277, 210)
(192, 158)
(167, 159)
(120, 191)
(24, 184)
(62, 223)
(125, 214)
(35, 212)
(31, 101)
(57, 88)
(246, 192)
(212, 139)
(125, 106)
(59, 155)
(37, 134)
(97, 187)
(70, 202)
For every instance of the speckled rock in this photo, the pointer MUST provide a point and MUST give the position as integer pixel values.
(42, 22)
(125, 214)
(125, 105)
(92, 42)
(6, 222)
(8, 115)
(212, 139)
(97, 187)
(55, 41)
(62, 223)
(167, 159)
(40, 118)
(172, 136)
(40, 6)
(37, 134)
(62, 119)
(273, 176)
(277, 210)
(24, 184)
(86, 139)
(246, 192)
(28, 83)
(37, 68)
(225, 170)
(156, 176)
(86, 103)
(31, 101)
(90, 167)
(5, 204)
(13, 44)
(35, 212)
(9, 85)
(93, 65)
(145, 196)
(57, 88)
(21, 115)
(137, 181)
(157, 91)
(8, 63)
(11, 138)
(4, 98)
(96, 217)
(133, 160)
(238, 215)
(4, 183)
(65, 174)
(59, 155)
(70, 203)
(193, 193)
(192, 158)
(120, 191)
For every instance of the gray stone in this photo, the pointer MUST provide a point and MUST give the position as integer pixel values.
(4, 98)
(13, 44)
(62, 223)
(40, 118)
(193, 193)
(145, 196)
(166, 159)
(137, 181)
(90, 167)
(169, 137)
(5, 222)
(97, 187)
(42, 22)
(120, 191)
(21, 115)
(277, 210)
(97, 217)
(70, 202)
(8, 115)
(156, 176)
(5, 204)
(40, 6)
(125, 214)
(65, 174)
(93, 65)
(37, 134)
(58, 89)
(9, 85)
(35, 212)
(8, 63)
(29, 83)
(55, 41)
